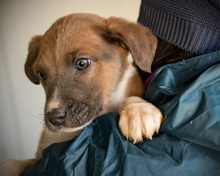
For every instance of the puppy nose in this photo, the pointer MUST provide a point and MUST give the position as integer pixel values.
(56, 116)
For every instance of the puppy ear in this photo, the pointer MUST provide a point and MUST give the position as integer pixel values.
(141, 42)
(33, 50)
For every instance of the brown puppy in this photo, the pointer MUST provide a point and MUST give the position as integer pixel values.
(86, 65)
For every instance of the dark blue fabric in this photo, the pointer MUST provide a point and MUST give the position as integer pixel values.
(192, 25)
(188, 94)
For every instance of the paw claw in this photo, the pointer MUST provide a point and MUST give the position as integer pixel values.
(139, 119)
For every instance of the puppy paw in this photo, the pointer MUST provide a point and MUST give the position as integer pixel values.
(139, 119)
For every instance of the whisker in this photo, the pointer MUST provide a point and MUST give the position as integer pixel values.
(42, 123)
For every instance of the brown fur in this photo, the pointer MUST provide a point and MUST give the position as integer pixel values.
(110, 81)
(107, 43)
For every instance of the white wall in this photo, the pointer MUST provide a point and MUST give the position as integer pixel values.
(21, 102)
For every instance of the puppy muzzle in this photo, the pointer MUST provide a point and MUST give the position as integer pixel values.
(72, 116)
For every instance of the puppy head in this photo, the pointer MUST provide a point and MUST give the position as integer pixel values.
(80, 61)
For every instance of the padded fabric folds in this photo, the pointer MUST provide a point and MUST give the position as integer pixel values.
(188, 94)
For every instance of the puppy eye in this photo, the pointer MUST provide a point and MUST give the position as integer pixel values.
(82, 63)
(41, 75)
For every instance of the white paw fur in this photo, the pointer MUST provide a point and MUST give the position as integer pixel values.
(138, 119)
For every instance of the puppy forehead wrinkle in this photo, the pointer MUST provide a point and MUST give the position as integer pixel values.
(75, 28)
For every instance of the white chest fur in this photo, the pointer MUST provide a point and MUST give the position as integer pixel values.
(120, 94)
